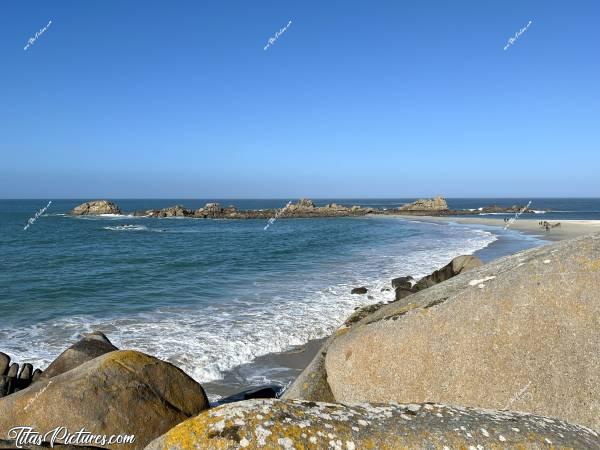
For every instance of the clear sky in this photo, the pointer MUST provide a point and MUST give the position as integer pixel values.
(163, 99)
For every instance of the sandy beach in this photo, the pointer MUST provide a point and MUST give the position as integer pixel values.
(566, 230)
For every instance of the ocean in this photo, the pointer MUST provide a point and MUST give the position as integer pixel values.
(212, 295)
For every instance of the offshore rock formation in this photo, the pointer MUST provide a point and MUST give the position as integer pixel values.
(304, 208)
(434, 204)
(312, 383)
(519, 333)
(89, 347)
(277, 424)
(95, 207)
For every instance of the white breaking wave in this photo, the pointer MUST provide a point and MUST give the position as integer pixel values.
(127, 228)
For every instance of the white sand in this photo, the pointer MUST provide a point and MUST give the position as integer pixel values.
(567, 229)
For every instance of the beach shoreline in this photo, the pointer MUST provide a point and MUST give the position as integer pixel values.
(568, 228)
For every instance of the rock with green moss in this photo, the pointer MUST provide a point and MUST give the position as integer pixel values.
(296, 424)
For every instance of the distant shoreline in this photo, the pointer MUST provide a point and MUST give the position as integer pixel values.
(568, 228)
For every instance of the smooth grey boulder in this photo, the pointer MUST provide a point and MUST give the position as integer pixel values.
(89, 347)
(26, 372)
(455, 267)
(121, 392)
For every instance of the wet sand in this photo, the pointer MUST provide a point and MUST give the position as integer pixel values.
(266, 369)
(567, 229)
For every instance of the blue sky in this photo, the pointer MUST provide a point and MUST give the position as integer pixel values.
(356, 99)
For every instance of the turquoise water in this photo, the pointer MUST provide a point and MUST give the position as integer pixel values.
(207, 295)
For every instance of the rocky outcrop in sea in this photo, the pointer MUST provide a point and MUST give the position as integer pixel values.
(304, 208)
(519, 333)
(95, 207)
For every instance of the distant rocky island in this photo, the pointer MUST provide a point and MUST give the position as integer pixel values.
(304, 208)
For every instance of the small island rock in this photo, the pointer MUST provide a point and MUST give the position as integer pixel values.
(95, 208)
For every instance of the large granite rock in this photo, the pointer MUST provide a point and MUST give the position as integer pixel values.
(430, 204)
(522, 333)
(121, 392)
(276, 424)
(89, 347)
(174, 211)
(95, 208)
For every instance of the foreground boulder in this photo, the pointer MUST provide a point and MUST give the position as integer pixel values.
(89, 347)
(296, 424)
(522, 333)
(122, 392)
(95, 208)
(457, 266)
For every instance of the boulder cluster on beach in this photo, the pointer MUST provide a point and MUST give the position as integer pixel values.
(497, 355)
(304, 208)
